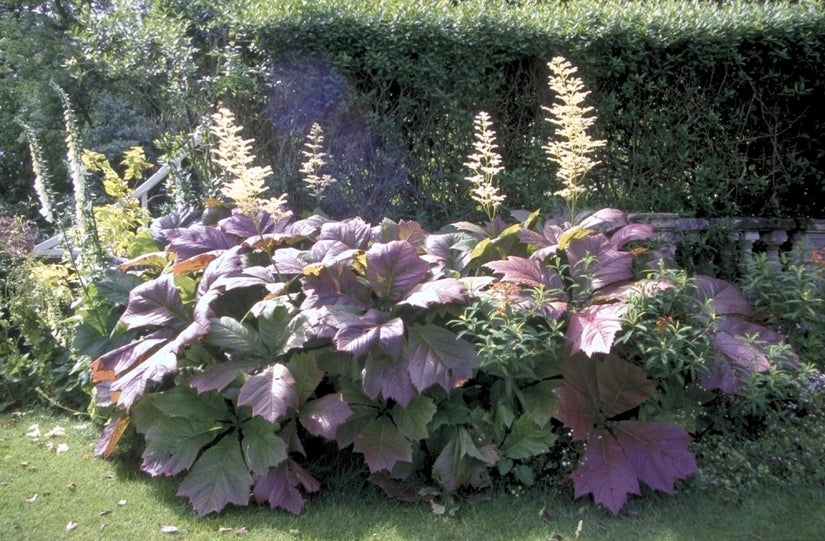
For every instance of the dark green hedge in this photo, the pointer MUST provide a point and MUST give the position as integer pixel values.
(709, 109)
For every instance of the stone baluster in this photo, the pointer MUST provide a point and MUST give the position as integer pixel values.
(773, 240)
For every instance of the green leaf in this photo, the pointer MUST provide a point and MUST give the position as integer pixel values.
(261, 447)
(173, 444)
(524, 474)
(462, 463)
(305, 372)
(412, 421)
(273, 325)
(187, 403)
(527, 439)
(142, 243)
(220, 477)
(383, 445)
(540, 402)
(230, 334)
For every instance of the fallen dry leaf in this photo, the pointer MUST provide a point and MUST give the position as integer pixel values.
(224, 529)
(33, 431)
(437, 508)
(71, 525)
(61, 448)
(169, 529)
(72, 486)
(32, 498)
(55, 432)
(104, 512)
(121, 503)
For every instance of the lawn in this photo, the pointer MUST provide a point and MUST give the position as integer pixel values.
(51, 486)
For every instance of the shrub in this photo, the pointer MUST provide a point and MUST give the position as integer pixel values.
(442, 358)
(789, 295)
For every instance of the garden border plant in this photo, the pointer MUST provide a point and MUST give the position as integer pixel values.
(443, 358)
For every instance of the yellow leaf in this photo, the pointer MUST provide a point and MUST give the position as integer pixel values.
(574, 233)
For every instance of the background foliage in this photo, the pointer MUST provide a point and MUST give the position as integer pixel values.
(708, 109)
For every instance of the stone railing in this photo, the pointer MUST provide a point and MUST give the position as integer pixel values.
(753, 235)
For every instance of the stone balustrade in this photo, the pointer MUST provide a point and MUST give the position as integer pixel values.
(753, 235)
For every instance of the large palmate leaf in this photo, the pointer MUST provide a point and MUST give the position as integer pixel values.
(442, 291)
(724, 297)
(452, 248)
(197, 239)
(606, 472)
(596, 389)
(595, 259)
(173, 444)
(462, 463)
(540, 400)
(526, 439)
(615, 461)
(271, 393)
(177, 425)
(234, 336)
(632, 232)
(323, 416)
(409, 231)
(306, 373)
(218, 478)
(374, 329)
(118, 361)
(155, 303)
(110, 435)
(334, 285)
(280, 487)
(389, 377)
(354, 233)
(593, 328)
(262, 448)
(229, 263)
(412, 419)
(217, 376)
(244, 226)
(658, 451)
(528, 272)
(383, 445)
(394, 269)
(330, 252)
(604, 220)
(740, 345)
(290, 261)
(439, 357)
(185, 403)
(132, 384)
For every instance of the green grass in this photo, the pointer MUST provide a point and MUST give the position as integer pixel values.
(112, 500)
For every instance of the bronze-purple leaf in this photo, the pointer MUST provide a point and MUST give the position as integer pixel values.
(606, 472)
(323, 416)
(270, 394)
(593, 328)
(394, 269)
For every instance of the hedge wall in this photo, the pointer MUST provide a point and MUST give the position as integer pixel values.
(708, 109)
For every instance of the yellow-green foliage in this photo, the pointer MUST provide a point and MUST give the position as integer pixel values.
(118, 222)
